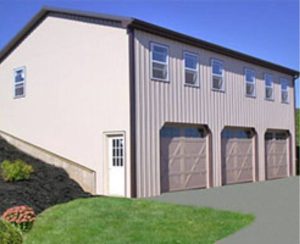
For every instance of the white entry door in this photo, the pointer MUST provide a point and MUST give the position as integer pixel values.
(116, 167)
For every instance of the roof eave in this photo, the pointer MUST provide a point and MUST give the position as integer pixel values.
(22, 34)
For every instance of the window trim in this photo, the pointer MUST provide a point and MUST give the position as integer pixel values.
(212, 60)
(152, 44)
(249, 82)
(267, 86)
(23, 68)
(197, 83)
(281, 79)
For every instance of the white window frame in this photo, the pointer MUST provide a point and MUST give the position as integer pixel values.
(20, 84)
(152, 45)
(197, 83)
(214, 60)
(250, 82)
(269, 86)
(284, 90)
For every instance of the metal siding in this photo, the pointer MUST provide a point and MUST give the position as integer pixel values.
(160, 102)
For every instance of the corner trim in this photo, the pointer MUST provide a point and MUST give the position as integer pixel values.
(132, 115)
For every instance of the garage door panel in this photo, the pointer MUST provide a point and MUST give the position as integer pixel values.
(193, 180)
(276, 149)
(175, 182)
(282, 171)
(237, 157)
(175, 166)
(183, 160)
(246, 174)
(194, 166)
(275, 171)
(238, 175)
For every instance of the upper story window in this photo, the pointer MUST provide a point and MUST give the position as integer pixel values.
(191, 68)
(284, 91)
(250, 82)
(217, 75)
(159, 62)
(19, 82)
(269, 86)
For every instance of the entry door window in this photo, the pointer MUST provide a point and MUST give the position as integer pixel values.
(117, 152)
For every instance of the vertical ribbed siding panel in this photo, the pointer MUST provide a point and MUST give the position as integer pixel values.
(145, 130)
(150, 130)
(139, 107)
(155, 149)
(160, 102)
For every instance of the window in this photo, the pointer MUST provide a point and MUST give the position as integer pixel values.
(284, 91)
(281, 136)
(169, 132)
(159, 62)
(191, 67)
(278, 135)
(269, 86)
(269, 136)
(217, 75)
(250, 82)
(19, 82)
(194, 132)
(229, 133)
(118, 152)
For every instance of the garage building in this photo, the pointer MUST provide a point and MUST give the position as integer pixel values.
(129, 108)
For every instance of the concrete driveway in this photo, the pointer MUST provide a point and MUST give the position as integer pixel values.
(275, 205)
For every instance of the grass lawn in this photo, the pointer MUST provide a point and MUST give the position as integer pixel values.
(116, 220)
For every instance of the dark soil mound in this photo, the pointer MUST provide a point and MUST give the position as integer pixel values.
(48, 185)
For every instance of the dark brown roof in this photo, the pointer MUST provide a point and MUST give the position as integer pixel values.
(124, 22)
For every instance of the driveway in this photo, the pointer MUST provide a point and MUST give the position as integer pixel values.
(275, 205)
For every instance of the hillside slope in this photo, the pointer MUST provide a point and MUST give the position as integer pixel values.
(48, 185)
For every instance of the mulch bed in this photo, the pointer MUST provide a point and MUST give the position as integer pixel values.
(48, 185)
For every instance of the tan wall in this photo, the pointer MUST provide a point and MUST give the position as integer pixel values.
(160, 102)
(77, 89)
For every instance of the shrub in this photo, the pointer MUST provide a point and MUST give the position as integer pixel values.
(21, 217)
(9, 234)
(17, 170)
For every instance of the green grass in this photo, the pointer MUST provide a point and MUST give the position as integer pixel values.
(116, 220)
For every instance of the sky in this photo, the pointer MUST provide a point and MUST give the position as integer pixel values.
(267, 29)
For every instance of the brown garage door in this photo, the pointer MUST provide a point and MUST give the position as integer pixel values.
(237, 156)
(183, 156)
(276, 149)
